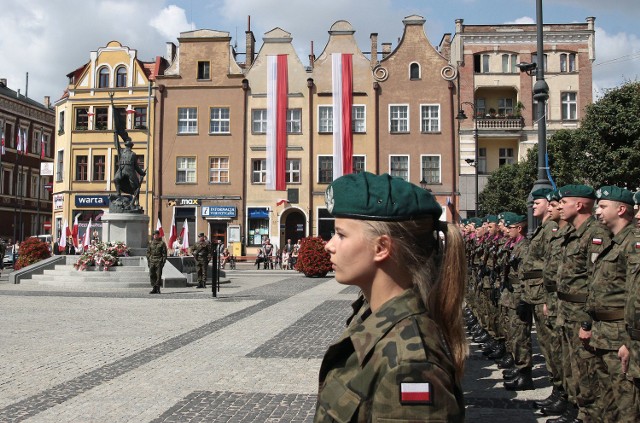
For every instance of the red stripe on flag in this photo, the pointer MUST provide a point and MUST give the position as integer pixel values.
(415, 392)
(281, 123)
(416, 396)
(347, 106)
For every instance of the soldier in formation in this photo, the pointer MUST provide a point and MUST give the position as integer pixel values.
(202, 252)
(576, 278)
(156, 257)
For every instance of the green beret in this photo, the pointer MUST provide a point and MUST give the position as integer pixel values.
(366, 196)
(553, 195)
(636, 198)
(614, 193)
(541, 193)
(581, 191)
(492, 218)
(156, 232)
(512, 219)
(201, 234)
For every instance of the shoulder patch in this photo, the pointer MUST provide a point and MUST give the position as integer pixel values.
(637, 245)
(596, 241)
(416, 393)
(554, 230)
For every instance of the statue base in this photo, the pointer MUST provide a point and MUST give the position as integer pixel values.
(123, 204)
(130, 228)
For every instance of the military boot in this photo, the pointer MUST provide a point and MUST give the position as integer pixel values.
(522, 382)
(569, 416)
(556, 408)
(510, 373)
(507, 362)
(553, 397)
(498, 352)
(489, 346)
(484, 337)
(153, 291)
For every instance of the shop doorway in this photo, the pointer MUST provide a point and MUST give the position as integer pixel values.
(218, 231)
(295, 227)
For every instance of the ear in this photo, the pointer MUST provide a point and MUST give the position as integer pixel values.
(383, 247)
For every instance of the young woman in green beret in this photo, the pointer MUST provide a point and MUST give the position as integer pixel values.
(401, 357)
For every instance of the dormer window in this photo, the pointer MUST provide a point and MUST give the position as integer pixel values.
(121, 77)
(103, 77)
(414, 71)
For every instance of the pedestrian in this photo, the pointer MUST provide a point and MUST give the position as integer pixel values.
(201, 251)
(402, 354)
(3, 251)
(177, 247)
(268, 252)
(156, 257)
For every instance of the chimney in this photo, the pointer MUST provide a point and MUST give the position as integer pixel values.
(386, 49)
(3, 82)
(47, 101)
(374, 49)
(250, 41)
(312, 57)
(170, 54)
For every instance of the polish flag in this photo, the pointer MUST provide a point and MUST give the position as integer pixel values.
(3, 150)
(62, 242)
(184, 234)
(281, 201)
(159, 228)
(173, 232)
(87, 236)
(19, 140)
(412, 392)
(342, 74)
(74, 232)
(277, 93)
(42, 146)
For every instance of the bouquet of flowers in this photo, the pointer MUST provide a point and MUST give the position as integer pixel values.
(102, 254)
(313, 260)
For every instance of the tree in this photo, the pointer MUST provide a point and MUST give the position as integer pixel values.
(508, 187)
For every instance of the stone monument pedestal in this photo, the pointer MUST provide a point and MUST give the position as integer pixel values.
(130, 228)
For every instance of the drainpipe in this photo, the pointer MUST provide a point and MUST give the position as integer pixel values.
(245, 154)
(310, 85)
(454, 161)
(376, 115)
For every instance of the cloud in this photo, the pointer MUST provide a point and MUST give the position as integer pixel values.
(617, 57)
(170, 22)
(523, 20)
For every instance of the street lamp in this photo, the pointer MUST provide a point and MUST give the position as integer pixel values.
(473, 163)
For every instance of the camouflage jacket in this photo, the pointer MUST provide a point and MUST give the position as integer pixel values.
(580, 250)
(530, 270)
(156, 252)
(632, 306)
(511, 297)
(391, 365)
(552, 259)
(201, 250)
(607, 292)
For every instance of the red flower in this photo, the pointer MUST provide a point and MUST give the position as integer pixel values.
(313, 260)
(31, 250)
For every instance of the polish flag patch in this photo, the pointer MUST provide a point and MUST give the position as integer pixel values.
(637, 245)
(596, 241)
(416, 393)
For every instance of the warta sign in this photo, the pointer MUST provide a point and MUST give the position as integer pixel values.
(92, 201)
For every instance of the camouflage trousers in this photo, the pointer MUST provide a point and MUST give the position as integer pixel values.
(582, 385)
(617, 400)
(520, 336)
(545, 337)
(201, 267)
(155, 273)
(502, 325)
(554, 360)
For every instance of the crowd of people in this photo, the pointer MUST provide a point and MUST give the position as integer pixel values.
(284, 258)
(577, 278)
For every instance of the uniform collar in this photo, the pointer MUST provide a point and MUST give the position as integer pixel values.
(366, 334)
(624, 232)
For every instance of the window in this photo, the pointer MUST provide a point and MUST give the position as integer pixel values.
(326, 224)
(7, 181)
(398, 118)
(82, 119)
(98, 168)
(259, 171)
(59, 165)
(359, 165)
(185, 170)
(121, 77)
(218, 170)
(505, 106)
(35, 142)
(399, 166)
(34, 186)
(219, 123)
(509, 62)
(294, 121)
(505, 156)
(569, 106)
(82, 168)
(258, 223)
(259, 121)
(187, 120)
(534, 59)
(482, 160)
(203, 70)
(358, 119)
(431, 169)
(430, 117)
(22, 184)
(46, 146)
(140, 118)
(414, 71)
(567, 62)
(325, 119)
(101, 118)
(61, 122)
(103, 77)
(481, 63)
(481, 107)
(325, 169)
(293, 171)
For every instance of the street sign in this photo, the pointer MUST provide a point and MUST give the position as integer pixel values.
(47, 225)
(48, 186)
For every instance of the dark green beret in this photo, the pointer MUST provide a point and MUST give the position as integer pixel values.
(581, 191)
(366, 196)
(553, 196)
(512, 219)
(636, 198)
(541, 193)
(156, 232)
(492, 218)
(201, 234)
(614, 193)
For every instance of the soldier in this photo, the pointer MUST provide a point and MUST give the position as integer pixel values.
(3, 251)
(581, 246)
(605, 303)
(156, 257)
(630, 352)
(401, 357)
(201, 251)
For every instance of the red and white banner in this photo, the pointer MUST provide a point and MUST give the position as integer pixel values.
(62, 242)
(342, 87)
(19, 141)
(184, 234)
(87, 236)
(42, 146)
(159, 228)
(277, 93)
(74, 232)
(173, 232)
(3, 150)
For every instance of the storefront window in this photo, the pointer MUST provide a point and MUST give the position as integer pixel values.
(258, 225)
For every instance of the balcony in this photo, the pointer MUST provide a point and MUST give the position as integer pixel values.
(508, 123)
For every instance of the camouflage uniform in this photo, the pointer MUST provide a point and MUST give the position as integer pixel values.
(361, 374)
(156, 257)
(605, 303)
(201, 251)
(520, 342)
(581, 247)
(632, 320)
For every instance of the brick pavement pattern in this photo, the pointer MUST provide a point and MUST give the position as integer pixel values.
(250, 355)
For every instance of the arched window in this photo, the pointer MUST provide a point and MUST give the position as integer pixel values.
(121, 77)
(414, 71)
(103, 77)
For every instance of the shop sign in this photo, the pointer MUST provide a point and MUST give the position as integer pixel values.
(92, 200)
(219, 211)
(184, 201)
(58, 201)
(258, 213)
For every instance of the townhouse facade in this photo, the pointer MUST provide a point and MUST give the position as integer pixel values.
(86, 151)
(27, 131)
(498, 99)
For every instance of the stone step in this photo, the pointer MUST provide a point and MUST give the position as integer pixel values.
(82, 283)
(73, 272)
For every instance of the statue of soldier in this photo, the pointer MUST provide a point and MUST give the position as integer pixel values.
(156, 257)
(201, 251)
(126, 178)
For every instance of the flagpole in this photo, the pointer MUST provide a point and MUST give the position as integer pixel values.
(15, 184)
(40, 182)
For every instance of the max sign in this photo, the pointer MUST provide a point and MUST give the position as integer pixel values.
(92, 201)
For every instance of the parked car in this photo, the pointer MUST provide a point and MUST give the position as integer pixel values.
(9, 258)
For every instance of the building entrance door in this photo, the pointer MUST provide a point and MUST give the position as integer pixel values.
(294, 227)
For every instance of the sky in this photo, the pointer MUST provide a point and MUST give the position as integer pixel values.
(50, 38)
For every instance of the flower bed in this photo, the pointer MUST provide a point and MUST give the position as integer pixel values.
(102, 255)
(31, 250)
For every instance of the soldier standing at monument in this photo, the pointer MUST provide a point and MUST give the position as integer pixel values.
(156, 257)
(201, 251)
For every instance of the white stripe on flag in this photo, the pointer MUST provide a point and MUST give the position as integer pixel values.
(272, 115)
(336, 87)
